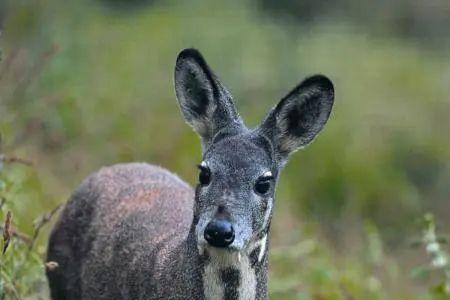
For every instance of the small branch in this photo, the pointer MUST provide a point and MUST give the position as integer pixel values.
(17, 234)
(15, 159)
(41, 222)
(7, 231)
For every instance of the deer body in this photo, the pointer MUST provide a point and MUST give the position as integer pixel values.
(136, 231)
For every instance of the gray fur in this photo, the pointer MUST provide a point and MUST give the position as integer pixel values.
(135, 231)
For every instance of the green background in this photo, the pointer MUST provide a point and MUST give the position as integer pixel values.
(90, 83)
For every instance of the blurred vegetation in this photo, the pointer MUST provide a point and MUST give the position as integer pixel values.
(439, 260)
(21, 263)
(427, 21)
(89, 83)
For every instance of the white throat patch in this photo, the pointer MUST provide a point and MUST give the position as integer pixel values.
(219, 260)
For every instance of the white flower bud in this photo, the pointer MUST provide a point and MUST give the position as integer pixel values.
(433, 247)
(439, 261)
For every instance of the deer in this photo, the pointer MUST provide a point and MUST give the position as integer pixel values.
(137, 231)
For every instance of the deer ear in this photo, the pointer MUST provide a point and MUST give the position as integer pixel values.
(300, 115)
(205, 103)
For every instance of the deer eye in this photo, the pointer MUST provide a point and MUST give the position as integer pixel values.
(204, 177)
(262, 185)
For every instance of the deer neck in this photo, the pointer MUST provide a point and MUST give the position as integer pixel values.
(233, 275)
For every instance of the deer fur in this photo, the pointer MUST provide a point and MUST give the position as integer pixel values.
(136, 231)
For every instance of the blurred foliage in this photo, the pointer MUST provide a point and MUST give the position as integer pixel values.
(89, 83)
(21, 265)
(427, 21)
(439, 260)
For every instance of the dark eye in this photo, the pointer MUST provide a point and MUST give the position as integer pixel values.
(204, 177)
(262, 185)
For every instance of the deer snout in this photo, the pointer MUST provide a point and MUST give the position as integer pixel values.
(219, 233)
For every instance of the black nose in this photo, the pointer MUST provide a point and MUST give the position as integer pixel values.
(219, 233)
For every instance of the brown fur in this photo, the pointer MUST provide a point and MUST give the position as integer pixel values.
(127, 208)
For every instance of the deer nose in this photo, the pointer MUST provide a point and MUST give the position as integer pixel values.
(219, 233)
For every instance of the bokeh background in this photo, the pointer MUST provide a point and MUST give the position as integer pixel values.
(88, 83)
